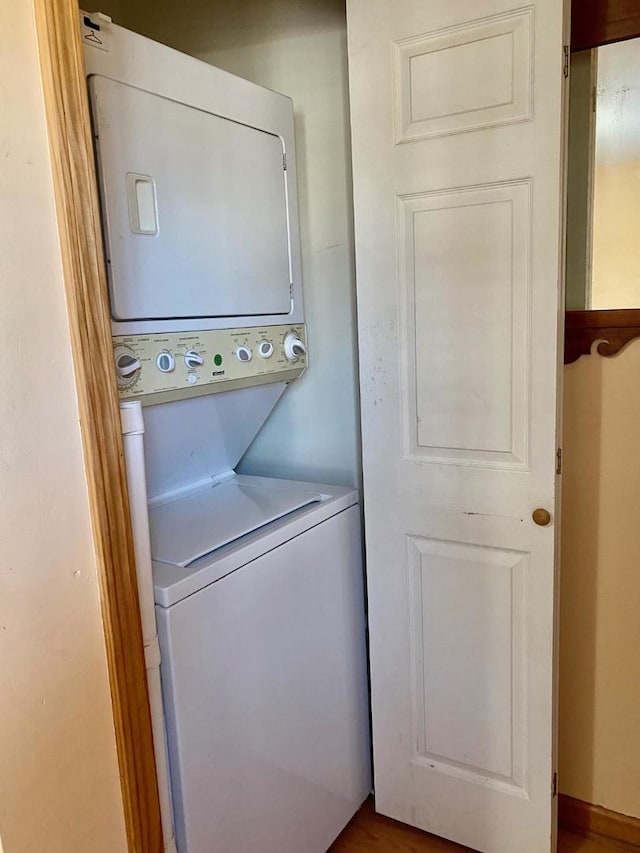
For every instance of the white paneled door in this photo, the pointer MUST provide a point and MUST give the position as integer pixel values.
(458, 149)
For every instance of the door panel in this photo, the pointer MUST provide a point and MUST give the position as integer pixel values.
(489, 63)
(477, 409)
(469, 685)
(458, 139)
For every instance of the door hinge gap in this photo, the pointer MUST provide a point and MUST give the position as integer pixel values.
(559, 461)
(554, 785)
(565, 60)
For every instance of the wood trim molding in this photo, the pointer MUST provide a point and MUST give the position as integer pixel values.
(614, 330)
(596, 22)
(589, 819)
(63, 75)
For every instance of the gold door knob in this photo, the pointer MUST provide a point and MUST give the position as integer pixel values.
(541, 516)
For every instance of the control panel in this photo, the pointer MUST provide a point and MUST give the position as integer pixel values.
(172, 365)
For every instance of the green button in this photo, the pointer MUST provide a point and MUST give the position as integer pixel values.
(217, 360)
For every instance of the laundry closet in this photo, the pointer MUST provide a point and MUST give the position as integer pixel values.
(456, 122)
(251, 587)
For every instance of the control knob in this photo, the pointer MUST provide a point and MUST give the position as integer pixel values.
(294, 347)
(165, 362)
(127, 366)
(265, 349)
(244, 353)
(193, 359)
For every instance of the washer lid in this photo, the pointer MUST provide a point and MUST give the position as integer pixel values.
(185, 529)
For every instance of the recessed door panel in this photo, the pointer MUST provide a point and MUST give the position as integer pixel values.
(474, 306)
(469, 682)
(194, 206)
(471, 75)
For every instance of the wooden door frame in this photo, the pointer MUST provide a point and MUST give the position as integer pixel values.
(75, 185)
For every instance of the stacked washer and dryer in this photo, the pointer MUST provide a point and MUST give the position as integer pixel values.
(253, 584)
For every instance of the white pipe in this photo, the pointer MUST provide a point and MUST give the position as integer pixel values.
(133, 438)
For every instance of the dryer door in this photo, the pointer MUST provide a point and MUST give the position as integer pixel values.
(194, 208)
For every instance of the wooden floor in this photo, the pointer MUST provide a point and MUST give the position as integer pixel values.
(369, 832)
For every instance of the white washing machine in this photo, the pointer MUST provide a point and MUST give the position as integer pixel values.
(260, 612)
(262, 643)
(256, 583)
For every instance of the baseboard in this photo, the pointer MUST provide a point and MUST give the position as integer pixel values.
(586, 818)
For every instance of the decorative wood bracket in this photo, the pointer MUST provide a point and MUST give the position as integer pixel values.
(614, 330)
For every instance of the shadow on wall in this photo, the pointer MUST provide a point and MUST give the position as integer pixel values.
(600, 595)
(582, 434)
(221, 24)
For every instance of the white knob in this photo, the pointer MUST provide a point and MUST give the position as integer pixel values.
(165, 362)
(127, 365)
(243, 353)
(294, 348)
(265, 349)
(193, 359)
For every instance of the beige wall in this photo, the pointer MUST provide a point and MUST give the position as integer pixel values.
(297, 47)
(616, 236)
(600, 598)
(59, 789)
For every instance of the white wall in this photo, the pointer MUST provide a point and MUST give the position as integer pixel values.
(618, 102)
(297, 47)
(59, 786)
(616, 217)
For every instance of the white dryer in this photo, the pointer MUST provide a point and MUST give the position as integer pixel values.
(257, 582)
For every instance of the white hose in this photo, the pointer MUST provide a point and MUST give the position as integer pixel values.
(133, 438)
